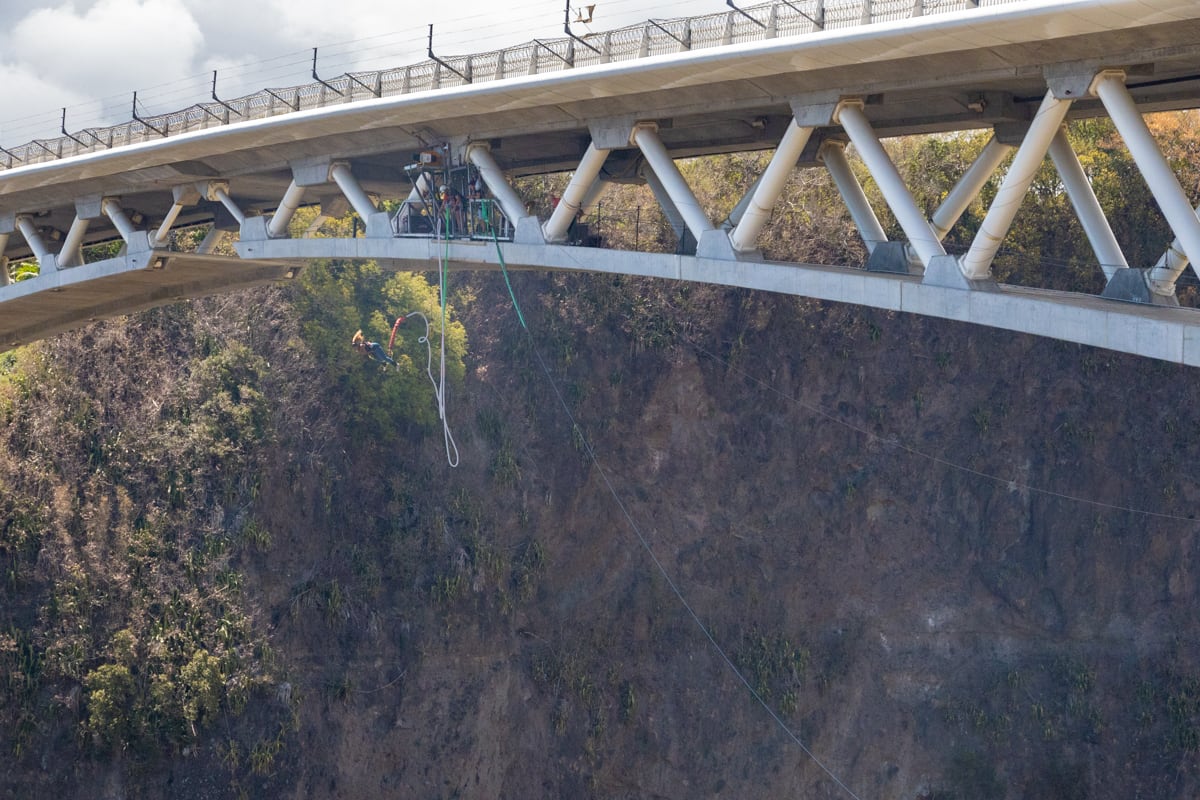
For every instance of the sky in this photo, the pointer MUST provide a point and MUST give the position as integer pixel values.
(89, 56)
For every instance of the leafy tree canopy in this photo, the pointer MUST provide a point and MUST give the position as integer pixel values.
(338, 298)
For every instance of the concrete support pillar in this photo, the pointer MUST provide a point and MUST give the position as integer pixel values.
(212, 240)
(112, 209)
(569, 205)
(71, 253)
(976, 264)
(1174, 260)
(921, 237)
(1087, 207)
(221, 192)
(593, 194)
(278, 225)
(510, 202)
(1109, 85)
(5, 278)
(660, 161)
(315, 225)
(833, 155)
(735, 216)
(674, 218)
(45, 258)
(344, 178)
(744, 237)
(163, 234)
(968, 187)
(185, 195)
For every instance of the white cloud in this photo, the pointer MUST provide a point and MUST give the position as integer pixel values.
(90, 55)
(112, 46)
(29, 105)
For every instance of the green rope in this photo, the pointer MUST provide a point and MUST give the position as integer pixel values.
(445, 276)
(487, 218)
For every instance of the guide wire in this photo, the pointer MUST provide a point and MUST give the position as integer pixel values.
(591, 454)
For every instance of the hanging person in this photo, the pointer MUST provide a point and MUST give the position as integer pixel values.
(372, 350)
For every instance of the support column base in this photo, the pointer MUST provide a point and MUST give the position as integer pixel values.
(944, 271)
(1131, 285)
(715, 244)
(254, 229)
(892, 257)
(378, 226)
(528, 230)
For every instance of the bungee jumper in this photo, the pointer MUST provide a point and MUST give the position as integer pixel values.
(375, 352)
(372, 350)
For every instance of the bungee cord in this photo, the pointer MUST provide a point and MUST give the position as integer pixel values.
(439, 385)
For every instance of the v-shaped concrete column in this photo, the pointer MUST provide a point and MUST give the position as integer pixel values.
(1087, 207)
(1109, 86)
(744, 237)
(645, 136)
(920, 235)
(976, 265)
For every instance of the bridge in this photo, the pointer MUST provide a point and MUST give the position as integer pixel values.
(101, 212)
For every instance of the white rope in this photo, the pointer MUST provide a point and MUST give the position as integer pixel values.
(439, 390)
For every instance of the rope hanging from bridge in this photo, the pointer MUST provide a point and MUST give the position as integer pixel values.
(439, 385)
(439, 388)
(486, 213)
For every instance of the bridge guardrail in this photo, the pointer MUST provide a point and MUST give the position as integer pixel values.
(778, 18)
(477, 220)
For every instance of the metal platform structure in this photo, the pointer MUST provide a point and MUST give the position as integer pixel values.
(804, 79)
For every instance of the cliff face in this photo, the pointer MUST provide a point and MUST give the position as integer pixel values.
(951, 561)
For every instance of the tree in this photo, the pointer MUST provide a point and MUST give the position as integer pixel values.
(338, 298)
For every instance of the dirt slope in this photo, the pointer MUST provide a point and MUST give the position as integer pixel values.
(953, 562)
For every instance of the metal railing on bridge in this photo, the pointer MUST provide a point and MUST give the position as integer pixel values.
(778, 18)
(479, 218)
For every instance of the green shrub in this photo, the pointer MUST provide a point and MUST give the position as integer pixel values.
(109, 695)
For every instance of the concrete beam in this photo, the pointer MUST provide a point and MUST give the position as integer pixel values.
(1169, 334)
